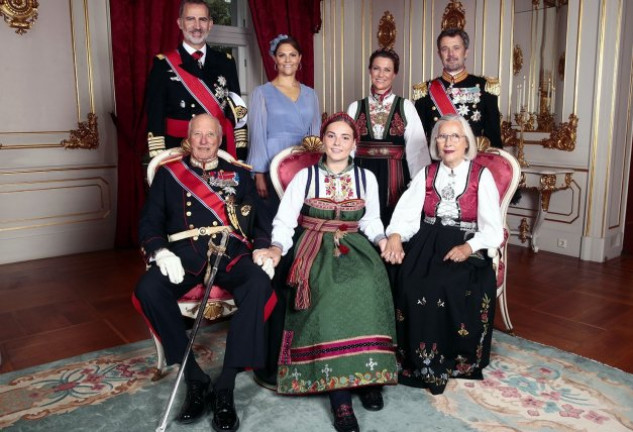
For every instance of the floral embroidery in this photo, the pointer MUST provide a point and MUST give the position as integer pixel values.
(339, 188)
(362, 124)
(397, 126)
(299, 385)
(462, 331)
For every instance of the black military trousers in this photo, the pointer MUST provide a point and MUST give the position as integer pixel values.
(252, 291)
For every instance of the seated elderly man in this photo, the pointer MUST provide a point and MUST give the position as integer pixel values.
(194, 192)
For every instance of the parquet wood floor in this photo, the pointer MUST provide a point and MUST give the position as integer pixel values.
(60, 307)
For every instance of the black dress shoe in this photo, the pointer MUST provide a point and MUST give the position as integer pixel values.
(371, 398)
(345, 420)
(196, 402)
(224, 416)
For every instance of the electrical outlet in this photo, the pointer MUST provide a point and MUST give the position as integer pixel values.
(562, 243)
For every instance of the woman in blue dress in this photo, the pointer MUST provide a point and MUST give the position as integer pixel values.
(282, 112)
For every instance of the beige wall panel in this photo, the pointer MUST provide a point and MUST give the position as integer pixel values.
(622, 89)
(39, 63)
(31, 204)
(56, 201)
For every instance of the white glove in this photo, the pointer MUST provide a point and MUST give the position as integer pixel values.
(265, 263)
(170, 265)
(269, 268)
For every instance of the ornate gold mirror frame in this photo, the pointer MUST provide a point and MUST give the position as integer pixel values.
(535, 122)
(19, 14)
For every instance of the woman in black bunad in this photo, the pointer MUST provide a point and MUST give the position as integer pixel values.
(392, 140)
(446, 287)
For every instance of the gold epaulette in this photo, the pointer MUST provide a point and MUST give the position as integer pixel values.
(241, 164)
(493, 86)
(155, 144)
(229, 56)
(420, 90)
(160, 56)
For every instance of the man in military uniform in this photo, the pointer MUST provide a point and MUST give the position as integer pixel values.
(458, 92)
(190, 80)
(188, 197)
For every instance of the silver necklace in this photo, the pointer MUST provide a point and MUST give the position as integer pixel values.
(448, 192)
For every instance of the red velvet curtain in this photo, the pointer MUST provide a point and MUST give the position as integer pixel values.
(299, 19)
(140, 30)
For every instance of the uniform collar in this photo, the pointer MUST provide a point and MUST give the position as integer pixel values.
(204, 166)
(454, 79)
(190, 50)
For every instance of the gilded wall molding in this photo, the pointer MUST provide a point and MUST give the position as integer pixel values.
(86, 136)
(517, 59)
(454, 15)
(563, 137)
(508, 134)
(19, 14)
(387, 31)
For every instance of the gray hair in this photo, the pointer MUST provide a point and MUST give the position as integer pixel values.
(217, 123)
(471, 141)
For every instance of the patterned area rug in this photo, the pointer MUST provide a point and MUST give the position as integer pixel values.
(527, 387)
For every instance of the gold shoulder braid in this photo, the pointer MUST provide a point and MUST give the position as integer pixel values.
(493, 86)
(420, 90)
(155, 144)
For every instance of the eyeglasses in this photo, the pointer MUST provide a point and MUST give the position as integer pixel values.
(451, 137)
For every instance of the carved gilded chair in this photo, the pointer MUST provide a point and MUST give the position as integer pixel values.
(506, 172)
(220, 303)
(290, 161)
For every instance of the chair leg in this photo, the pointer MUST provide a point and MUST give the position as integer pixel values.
(159, 373)
(503, 304)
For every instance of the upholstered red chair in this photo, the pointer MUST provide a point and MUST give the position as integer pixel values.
(220, 303)
(290, 161)
(506, 172)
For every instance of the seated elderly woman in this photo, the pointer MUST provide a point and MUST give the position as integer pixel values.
(445, 290)
(339, 332)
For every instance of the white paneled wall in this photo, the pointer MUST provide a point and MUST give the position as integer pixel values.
(56, 201)
(597, 87)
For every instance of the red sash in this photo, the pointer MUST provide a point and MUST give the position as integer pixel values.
(200, 92)
(440, 98)
(202, 192)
